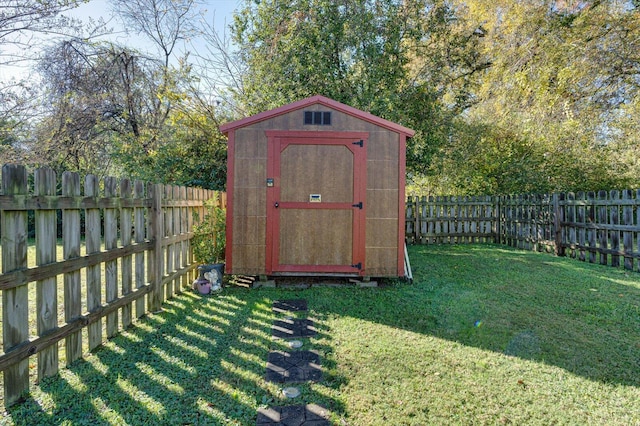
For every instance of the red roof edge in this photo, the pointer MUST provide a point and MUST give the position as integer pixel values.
(322, 100)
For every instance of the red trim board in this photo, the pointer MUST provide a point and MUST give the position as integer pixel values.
(277, 142)
(228, 256)
(304, 103)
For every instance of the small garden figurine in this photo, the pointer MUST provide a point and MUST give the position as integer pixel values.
(208, 244)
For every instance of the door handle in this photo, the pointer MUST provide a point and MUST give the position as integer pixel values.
(276, 205)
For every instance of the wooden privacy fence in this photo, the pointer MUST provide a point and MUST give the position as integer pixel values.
(597, 227)
(123, 244)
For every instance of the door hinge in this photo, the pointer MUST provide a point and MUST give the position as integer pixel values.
(360, 143)
(357, 265)
(359, 205)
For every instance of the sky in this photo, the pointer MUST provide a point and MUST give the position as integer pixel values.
(220, 11)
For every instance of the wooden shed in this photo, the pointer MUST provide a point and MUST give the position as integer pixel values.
(315, 187)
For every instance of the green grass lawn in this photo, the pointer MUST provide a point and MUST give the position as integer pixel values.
(485, 335)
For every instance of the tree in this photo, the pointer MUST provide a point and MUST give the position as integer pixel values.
(99, 96)
(562, 74)
(20, 19)
(389, 57)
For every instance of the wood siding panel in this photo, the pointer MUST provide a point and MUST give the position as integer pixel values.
(250, 143)
(315, 237)
(250, 173)
(382, 233)
(382, 203)
(381, 261)
(383, 146)
(382, 175)
(248, 259)
(250, 202)
(249, 230)
(316, 169)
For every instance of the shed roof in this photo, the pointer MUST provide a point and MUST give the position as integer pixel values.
(321, 100)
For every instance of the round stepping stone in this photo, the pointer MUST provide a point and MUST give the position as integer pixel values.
(291, 392)
(295, 344)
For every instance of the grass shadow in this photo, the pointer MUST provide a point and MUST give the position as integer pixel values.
(201, 361)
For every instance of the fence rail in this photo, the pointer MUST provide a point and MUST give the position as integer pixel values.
(125, 249)
(597, 227)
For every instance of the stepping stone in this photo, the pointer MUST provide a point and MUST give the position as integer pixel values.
(294, 415)
(290, 305)
(290, 328)
(293, 367)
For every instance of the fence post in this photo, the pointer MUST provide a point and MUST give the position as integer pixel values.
(15, 322)
(46, 289)
(156, 261)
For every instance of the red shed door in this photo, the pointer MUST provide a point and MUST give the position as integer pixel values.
(316, 204)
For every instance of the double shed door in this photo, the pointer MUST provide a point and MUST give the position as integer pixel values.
(316, 191)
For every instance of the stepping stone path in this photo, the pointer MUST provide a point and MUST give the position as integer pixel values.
(292, 328)
(308, 415)
(293, 367)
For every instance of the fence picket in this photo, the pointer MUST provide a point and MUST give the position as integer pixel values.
(637, 227)
(627, 235)
(408, 221)
(614, 233)
(15, 321)
(570, 224)
(94, 279)
(184, 229)
(126, 262)
(155, 270)
(71, 250)
(110, 243)
(140, 228)
(177, 247)
(168, 250)
(591, 221)
(439, 226)
(46, 289)
(602, 220)
(581, 223)
(190, 210)
(473, 225)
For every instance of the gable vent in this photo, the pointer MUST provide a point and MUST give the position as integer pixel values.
(322, 118)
